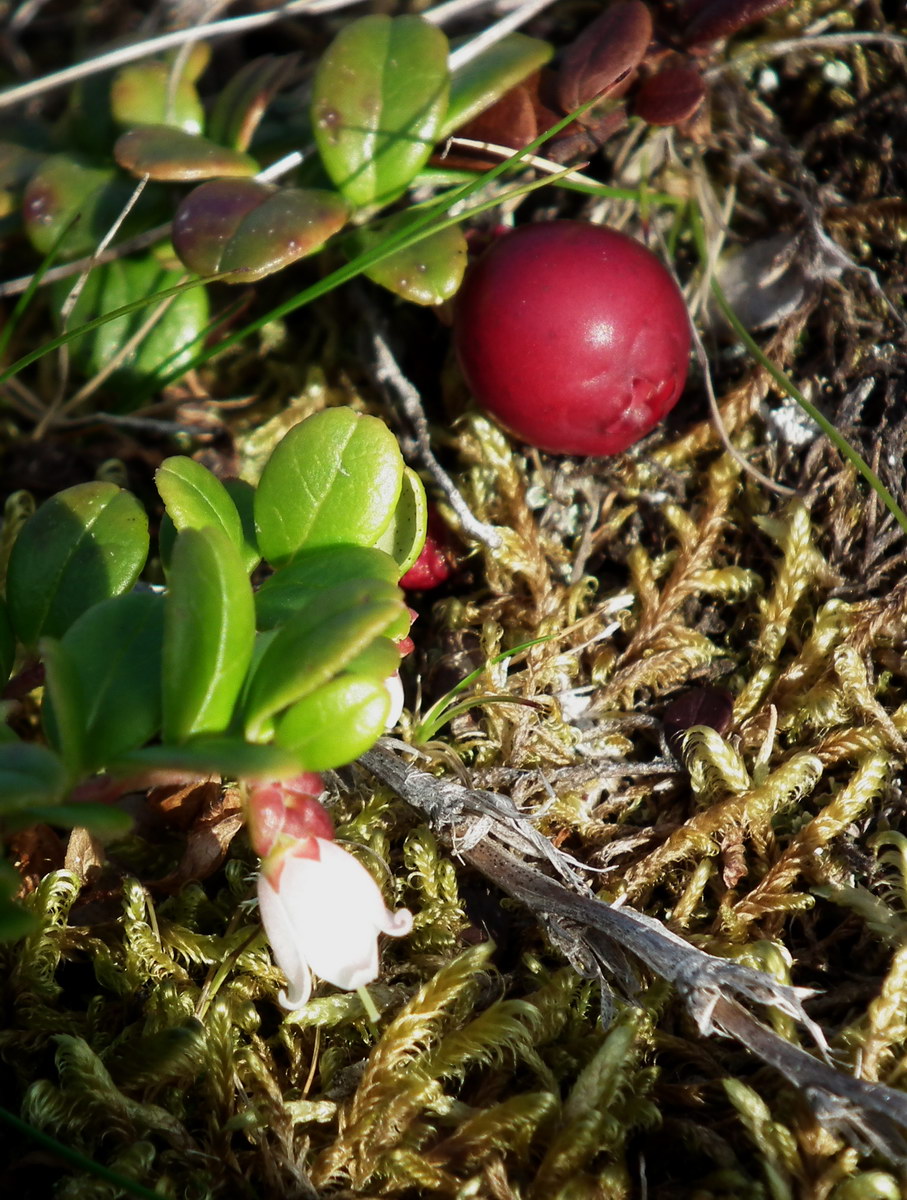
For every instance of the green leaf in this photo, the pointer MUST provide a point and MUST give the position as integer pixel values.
(316, 644)
(82, 546)
(244, 230)
(405, 535)
(194, 498)
(64, 706)
(376, 662)
(7, 643)
(224, 756)
(70, 191)
(335, 477)
(145, 94)
(165, 153)
(175, 336)
(209, 631)
(243, 496)
(428, 272)
(29, 775)
(241, 103)
(115, 650)
(484, 80)
(335, 724)
(380, 94)
(100, 819)
(290, 589)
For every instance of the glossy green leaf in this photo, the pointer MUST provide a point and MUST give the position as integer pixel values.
(289, 590)
(82, 546)
(145, 94)
(172, 341)
(428, 272)
(209, 631)
(243, 496)
(241, 104)
(165, 153)
(206, 756)
(73, 202)
(116, 650)
(405, 535)
(380, 94)
(245, 230)
(29, 775)
(377, 661)
(336, 723)
(7, 643)
(316, 644)
(335, 477)
(64, 705)
(194, 498)
(484, 80)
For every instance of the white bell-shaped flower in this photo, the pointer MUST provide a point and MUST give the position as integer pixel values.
(322, 912)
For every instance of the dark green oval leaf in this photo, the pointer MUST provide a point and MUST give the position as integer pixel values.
(316, 644)
(115, 650)
(29, 775)
(172, 341)
(335, 724)
(100, 819)
(379, 96)
(7, 643)
(162, 152)
(209, 631)
(64, 706)
(243, 496)
(82, 546)
(335, 477)
(207, 756)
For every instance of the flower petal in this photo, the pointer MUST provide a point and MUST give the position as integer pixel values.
(338, 912)
(279, 925)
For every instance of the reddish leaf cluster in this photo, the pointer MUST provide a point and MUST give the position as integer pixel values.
(631, 64)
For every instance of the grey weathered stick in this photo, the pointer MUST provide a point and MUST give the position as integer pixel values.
(481, 826)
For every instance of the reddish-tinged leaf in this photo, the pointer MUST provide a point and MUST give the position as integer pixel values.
(671, 96)
(251, 229)
(603, 57)
(716, 19)
(162, 152)
(242, 103)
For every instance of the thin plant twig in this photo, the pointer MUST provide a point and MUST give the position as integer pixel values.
(387, 373)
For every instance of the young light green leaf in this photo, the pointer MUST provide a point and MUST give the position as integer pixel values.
(405, 535)
(29, 775)
(146, 94)
(335, 724)
(289, 589)
(115, 650)
(485, 79)
(194, 498)
(335, 477)
(380, 94)
(316, 644)
(243, 496)
(209, 631)
(82, 546)
(378, 661)
(428, 272)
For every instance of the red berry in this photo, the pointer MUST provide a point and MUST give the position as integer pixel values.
(573, 336)
(436, 560)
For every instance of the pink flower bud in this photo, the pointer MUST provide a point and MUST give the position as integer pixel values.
(287, 810)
